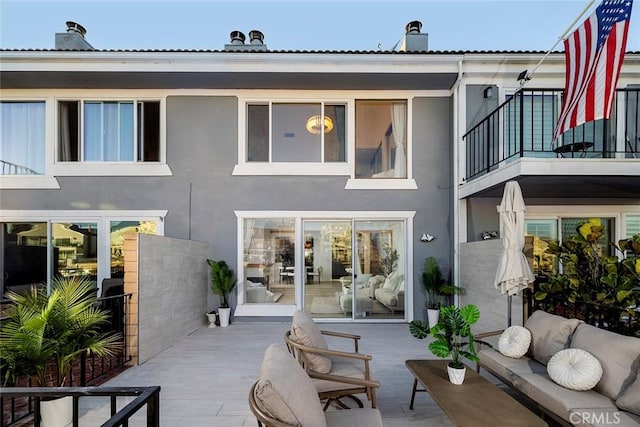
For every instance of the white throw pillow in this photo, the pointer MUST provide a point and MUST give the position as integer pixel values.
(574, 369)
(514, 341)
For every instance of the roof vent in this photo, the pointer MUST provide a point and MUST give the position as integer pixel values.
(256, 37)
(413, 27)
(74, 27)
(256, 41)
(73, 39)
(237, 37)
(414, 40)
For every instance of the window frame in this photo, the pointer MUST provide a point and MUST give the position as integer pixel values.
(54, 168)
(347, 168)
(103, 168)
(256, 309)
(101, 218)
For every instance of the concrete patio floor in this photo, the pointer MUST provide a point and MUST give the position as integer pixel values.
(205, 378)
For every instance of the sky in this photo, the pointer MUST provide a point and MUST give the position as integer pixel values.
(298, 25)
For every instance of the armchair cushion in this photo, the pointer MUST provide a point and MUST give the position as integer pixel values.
(306, 332)
(285, 391)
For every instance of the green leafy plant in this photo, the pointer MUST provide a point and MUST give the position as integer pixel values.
(435, 285)
(452, 334)
(390, 260)
(59, 327)
(588, 274)
(223, 281)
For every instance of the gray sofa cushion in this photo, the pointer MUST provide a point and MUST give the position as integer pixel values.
(559, 400)
(549, 334)
(507, 367)
(629, 399)
(286, 392)
(618, 355)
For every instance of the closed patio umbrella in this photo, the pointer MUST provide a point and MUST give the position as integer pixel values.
(513, 272)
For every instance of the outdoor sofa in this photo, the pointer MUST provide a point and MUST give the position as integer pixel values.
(614, 400)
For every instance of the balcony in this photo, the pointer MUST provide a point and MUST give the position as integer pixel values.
(515, 141)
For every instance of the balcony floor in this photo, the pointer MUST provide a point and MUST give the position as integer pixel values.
(205, 378)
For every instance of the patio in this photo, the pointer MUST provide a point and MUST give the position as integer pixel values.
(206, 376)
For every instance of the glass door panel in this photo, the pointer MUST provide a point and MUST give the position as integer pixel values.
(379, 269)
(23, 256)
(328, 268)
(75, 250)
(269, 261)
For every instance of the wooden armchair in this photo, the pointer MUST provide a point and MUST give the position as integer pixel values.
(336, 374)
(284, 396)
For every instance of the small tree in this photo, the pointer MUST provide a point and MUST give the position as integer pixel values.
(60, 326)
(223, 281)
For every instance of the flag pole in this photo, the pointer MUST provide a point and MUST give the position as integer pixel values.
(560, 38)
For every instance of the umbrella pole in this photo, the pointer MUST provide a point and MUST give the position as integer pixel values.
(508, 310)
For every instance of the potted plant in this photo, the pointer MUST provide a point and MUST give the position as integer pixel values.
(437, 288)
(452, 337)
(56, 328)
(223, 282)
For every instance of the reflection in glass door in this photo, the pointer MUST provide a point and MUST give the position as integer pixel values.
(379, 276)
(328, 269)
(370, 284)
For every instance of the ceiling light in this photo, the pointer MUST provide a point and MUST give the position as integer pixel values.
(315, 124)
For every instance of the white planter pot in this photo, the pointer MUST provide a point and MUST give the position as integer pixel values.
(456, 376)
(224, 314)
(57, 412)
(212, 319)
(433, 316)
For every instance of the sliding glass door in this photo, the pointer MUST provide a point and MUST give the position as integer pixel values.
(354, 269)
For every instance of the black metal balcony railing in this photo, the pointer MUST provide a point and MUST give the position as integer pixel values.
(523, 126)
(145, 396)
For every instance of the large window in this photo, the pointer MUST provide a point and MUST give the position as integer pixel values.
(296, 132)
(540, 232)
(381, 139)
(32, 252)
(327, 263)
(22, 138)
(108, 131)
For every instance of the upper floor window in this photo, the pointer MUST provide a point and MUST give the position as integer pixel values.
(381, 139)
(108, 131)
(296, 132)
(22, 137)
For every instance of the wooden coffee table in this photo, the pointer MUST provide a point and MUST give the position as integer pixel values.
(477, 402)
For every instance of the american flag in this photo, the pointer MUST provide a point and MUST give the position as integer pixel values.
(594, 54)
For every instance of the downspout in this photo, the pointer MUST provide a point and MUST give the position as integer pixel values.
(456, 192)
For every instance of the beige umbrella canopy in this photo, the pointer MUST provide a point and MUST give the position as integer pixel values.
(513, 272)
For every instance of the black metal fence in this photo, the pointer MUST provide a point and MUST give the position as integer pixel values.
(523, 126)
(615, 319)
(145, 396)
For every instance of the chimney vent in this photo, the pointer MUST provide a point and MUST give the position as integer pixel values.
(237, 37)
(73, 38)
(414, 40)
(256, 41)
(413, 27)
(256, 37)
(74, 27)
